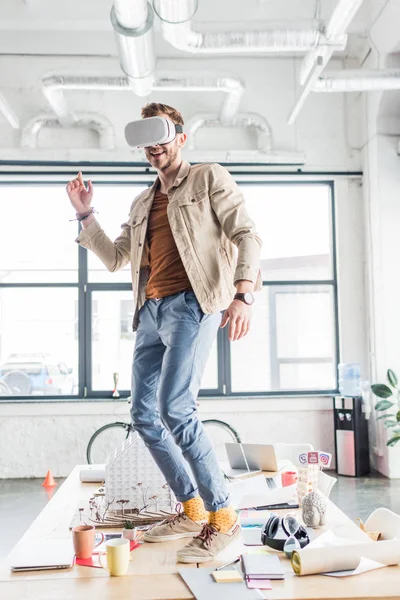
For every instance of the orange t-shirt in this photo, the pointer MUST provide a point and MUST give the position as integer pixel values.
(167, 274)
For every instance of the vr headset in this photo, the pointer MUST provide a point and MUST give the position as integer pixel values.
(151, 131)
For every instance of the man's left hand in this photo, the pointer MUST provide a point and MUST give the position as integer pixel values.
(238, 314)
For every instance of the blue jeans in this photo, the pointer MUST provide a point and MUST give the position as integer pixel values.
(173, 341)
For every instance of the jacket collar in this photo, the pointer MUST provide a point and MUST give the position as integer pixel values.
(182, 174)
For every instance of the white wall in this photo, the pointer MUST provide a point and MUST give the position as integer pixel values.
(38, 437)
(381, 135)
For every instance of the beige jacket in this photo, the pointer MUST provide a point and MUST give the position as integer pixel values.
(208, 219)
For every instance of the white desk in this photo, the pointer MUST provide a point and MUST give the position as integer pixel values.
(153, 571)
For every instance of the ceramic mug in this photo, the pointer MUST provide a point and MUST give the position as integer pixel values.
(288, 478)
(83, 538)
(118, 554)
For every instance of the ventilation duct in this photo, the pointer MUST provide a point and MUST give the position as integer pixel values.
(264, 152)
(176, 27)
(206, 82)
(55, 85)
(316, 60)
(132, 21)
(359, 80)
(335, 30)
(242, 120)
(98, 123)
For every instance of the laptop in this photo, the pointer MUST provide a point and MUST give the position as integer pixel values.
(250, 458)
(47, 554)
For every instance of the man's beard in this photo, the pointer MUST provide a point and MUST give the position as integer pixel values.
(170, 159)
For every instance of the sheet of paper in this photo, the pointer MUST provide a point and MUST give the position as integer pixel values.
(254, 491)
(203, 586)
(251, 536)
(366, 564)
(328, 538)
(249, 492)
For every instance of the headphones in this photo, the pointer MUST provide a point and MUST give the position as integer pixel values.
(271, 528)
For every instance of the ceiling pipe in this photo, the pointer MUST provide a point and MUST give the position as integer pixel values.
(205, 82)
(242, 121)
(176, 15)
(53, 87)
(8, 112)
(335, 29)
(316, 60)
(132, 21)
(105, 130)
(263, 153)
(358, 80)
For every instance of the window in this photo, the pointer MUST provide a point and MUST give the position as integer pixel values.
(66, 322)
(292, 346)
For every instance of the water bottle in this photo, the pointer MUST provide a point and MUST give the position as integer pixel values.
(349, 379)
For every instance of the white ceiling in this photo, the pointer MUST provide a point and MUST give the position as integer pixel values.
(48, 27)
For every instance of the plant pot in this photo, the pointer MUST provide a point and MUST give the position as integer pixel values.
(129, 534)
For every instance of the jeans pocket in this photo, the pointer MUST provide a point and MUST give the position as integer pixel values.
(192, 306)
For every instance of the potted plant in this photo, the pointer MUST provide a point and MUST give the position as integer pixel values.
(391, 419)
(129, 531)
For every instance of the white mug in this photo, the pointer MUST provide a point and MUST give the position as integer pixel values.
(118, 554)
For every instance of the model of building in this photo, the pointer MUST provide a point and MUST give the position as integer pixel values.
(134, 482)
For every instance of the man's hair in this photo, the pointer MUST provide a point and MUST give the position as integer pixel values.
(155, 108)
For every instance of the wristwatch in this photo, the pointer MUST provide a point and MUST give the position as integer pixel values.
(247, 298)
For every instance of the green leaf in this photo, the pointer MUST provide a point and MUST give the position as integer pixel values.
(383, 405)
(392, 378)
(381, 390)
(385, 416)
(390, 423)
(398, 416)
(393, 441)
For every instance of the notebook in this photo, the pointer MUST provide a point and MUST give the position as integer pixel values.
(261, 566)
(48, 554)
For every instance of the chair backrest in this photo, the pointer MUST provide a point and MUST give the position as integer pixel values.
(291, 451)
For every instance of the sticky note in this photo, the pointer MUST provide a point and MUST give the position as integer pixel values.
(230, 576)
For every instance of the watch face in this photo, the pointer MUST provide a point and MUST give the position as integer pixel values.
(249, 298)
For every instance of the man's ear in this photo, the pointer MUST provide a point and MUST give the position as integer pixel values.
(182, 140)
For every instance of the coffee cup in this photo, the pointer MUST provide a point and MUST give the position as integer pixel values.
(83, 539)
(118, 554)
(288, 478)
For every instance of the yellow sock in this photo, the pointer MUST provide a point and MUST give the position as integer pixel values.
(223, 519)
(194, 509)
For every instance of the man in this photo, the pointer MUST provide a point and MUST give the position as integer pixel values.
(180, 239)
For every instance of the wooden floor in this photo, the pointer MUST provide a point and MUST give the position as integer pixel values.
(153, 570)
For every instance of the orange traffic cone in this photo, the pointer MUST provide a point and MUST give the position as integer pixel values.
(49, 480)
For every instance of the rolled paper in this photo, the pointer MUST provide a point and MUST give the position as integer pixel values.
(310, 561)
(385, 521)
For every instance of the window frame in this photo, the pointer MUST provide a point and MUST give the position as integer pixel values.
(142, 174)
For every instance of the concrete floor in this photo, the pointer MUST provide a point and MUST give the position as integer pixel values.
(21, 500)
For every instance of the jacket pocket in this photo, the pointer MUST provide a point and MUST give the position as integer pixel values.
(136, 220)
(192, 198)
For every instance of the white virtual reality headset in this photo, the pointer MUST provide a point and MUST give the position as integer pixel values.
(151, 131)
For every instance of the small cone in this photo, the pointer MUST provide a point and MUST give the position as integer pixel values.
(49, 480)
